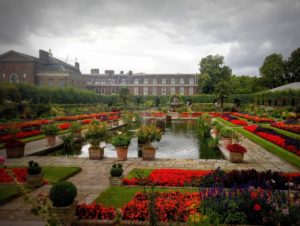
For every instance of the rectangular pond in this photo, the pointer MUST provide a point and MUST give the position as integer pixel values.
(180, 141)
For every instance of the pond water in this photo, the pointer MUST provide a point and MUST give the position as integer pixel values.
(180, 141)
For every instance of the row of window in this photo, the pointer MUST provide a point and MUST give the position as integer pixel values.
(136, 81)
(58, 83)
(146, 91)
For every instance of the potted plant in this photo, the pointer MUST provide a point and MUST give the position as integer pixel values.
(216, 127)
(121, 142)
(116, 174)
(50, 130)
(14, 148)
(35, 175)
(94, 134)
(146, 135)
(236, 152)
(76, 129)
(227, 135)
(62, 195)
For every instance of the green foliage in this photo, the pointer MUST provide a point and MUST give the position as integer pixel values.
(273, 70)
(116, 170)
(68, 142)
(149, 133)
(223, 89)
(212, 71)
(227, 132)
(204, 125)
(96, 131)
(246, 84)
(33, 168)
(75, 127)
(124, 95)
(293, 66)
(121, 141)
(50, 129)
(63, 193)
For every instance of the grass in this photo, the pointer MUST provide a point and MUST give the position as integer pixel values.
(273, 148)
(136, 173)
(52, 174)
(118, 196)
(8, 191)
(55, 174)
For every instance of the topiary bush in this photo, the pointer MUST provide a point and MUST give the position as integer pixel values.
(33, 168)
(116, 170)
(63, 193)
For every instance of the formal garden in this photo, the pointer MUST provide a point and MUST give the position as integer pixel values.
(121, 160)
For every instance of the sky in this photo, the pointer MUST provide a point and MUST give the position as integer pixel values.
(152, 36)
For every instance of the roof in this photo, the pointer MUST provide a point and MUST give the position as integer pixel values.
(294, 86)
(31, 58)
(56, 65)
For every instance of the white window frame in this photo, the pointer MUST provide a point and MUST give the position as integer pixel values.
(173, 80)
(191, 80)
(181, 80)
(154, 90)
(154, 81)
(136, 81)
(163, 81)
(136, 90)
(191, 91)
(145, 91)
(145, 81)
(163, 91)
(173, 90)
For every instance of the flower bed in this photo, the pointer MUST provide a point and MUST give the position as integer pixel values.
(286, 142)
(94, 212)
(253, 118)
(291, 128)
(169, 177)
(233, 120)
(173, 206)
(20, 135)
(20, 175)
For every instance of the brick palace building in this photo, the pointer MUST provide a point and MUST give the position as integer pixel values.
(46, 70)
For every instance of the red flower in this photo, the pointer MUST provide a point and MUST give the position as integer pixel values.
(236, 148)
(257, 207)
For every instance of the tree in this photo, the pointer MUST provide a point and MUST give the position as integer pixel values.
(124, 95)
(246, 84)
(273, 71)
(293, 66)
(212, 71)
(223, 89)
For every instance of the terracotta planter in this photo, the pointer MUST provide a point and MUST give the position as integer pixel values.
(149, 153)
(51, 140)
(116, 181)
(66, 214)
(236, 157)
(226, 141)
(122, 153)
(34, 181)
(15, 152)
(96, 153)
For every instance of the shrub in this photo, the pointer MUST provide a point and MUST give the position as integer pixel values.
(50, 129)
(227, 132)
(121, 141)
(150, 133)
(63, 193)
(96, 131)
(116, 170)
(33, 168)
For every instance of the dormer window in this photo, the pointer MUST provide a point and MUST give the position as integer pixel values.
(182, 81)
(136, 81)
(123, 81)
(172, 80)
(163, 81)
(145, 81)
(154, 81)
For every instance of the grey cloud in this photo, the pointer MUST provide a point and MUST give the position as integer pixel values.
(246, 25)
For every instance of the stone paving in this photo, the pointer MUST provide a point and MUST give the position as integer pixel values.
(93, 179)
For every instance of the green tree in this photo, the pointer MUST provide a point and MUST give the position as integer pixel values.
(223, 89)
(212, 70)
(293, 66)
(273, 71)
(124, 95)
(246, 84)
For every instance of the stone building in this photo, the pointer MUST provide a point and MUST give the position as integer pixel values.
(141, 84)
(45, 70)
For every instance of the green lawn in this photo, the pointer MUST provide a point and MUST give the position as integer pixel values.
(52, 174)
(118, 196)
(284, 154)
(137, 173)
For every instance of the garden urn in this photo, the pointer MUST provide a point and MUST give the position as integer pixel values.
(51, 140)
(122, 153)
(149, 152)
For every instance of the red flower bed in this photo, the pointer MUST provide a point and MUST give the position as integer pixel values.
(236, 148)
(170, 177)
(184, 115)
(94, 212)
(281, 140)
(20, 174)
(64, 126)
(290, 128)
(158, 114)
(20, 135)
(252, 118)
(239, 122)
(86, 121)
(173, 206)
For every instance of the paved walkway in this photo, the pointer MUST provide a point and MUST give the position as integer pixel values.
(93, 179)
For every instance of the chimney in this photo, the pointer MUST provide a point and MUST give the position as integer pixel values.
(95, 71)
(44, 56)
(77, 65)
(130, 72)
(121, 72)
(109, 72)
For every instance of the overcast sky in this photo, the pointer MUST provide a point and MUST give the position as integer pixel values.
(152, 36)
